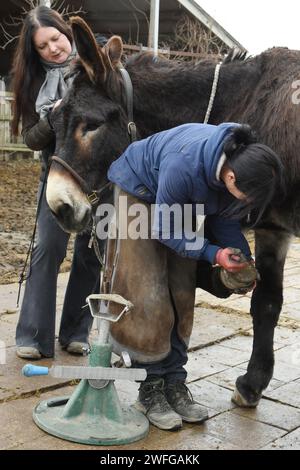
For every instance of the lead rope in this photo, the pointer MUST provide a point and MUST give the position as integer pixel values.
(213, 92)
(23, 275)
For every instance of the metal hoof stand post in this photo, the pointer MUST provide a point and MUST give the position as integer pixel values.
(93, 414)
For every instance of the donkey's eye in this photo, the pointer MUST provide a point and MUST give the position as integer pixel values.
(92, 126)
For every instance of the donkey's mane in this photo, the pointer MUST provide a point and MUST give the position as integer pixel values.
(148, 59)
(236, 55)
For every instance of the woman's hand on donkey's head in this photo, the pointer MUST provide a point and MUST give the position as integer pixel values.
(52, 114)
(57, 103)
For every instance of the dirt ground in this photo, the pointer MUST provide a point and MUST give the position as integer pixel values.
(18, 187)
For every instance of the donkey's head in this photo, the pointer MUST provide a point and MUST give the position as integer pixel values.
(90, 127)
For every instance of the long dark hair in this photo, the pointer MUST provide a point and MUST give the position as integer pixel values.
(26, 63)
(258, 171)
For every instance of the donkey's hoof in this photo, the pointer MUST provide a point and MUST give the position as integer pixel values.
(239, 400)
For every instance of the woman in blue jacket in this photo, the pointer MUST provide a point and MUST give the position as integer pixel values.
(225, 171)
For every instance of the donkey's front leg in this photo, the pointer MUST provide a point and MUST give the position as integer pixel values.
(271, 249)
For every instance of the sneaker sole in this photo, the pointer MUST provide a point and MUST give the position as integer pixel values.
(139, 407)
(79, 349)
(29, 356)
(159, 426)
(193, 420)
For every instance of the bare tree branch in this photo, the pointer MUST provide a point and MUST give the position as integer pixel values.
(140, 11)
(66, 11)
(133, 12)
(10, 27)
(31, 4)
(191, 35)
(8, 38)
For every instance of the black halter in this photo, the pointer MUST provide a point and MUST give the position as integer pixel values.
(94, 195)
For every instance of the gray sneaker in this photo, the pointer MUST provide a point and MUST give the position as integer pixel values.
(181, 400)
(28, 352)
(77, 347)
(153, 403)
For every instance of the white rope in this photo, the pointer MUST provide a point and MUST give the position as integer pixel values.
(213, 92)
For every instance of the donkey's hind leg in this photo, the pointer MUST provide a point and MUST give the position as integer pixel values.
(271, 249)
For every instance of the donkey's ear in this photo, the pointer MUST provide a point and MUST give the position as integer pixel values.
(88, 50)
(114, 47)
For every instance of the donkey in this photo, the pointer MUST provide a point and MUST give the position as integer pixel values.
(91, 130)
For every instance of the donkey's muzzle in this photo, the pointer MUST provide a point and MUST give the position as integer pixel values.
(68, 221)
(67, 202)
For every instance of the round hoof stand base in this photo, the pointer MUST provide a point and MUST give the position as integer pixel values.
(92, 415)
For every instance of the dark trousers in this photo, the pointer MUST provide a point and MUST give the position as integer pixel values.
(36, 325)
(171, 368)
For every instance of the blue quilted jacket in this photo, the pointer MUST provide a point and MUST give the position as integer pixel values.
(180, 165)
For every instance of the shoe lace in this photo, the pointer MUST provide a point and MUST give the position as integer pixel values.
(182, 393)
(156, 395)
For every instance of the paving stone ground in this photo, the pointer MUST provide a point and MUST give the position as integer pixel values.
(219, 352)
